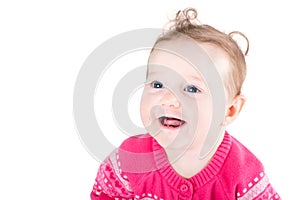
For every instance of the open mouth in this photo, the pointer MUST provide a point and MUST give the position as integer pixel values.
(171, 122)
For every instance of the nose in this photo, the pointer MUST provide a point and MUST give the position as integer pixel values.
(169, 100)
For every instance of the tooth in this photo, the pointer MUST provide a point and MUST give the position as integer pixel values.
(163, 120)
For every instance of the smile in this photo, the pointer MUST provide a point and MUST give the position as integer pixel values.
(171, 122)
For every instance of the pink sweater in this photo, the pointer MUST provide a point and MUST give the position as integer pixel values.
(139, 169)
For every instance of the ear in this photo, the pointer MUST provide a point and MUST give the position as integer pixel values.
(234, 108)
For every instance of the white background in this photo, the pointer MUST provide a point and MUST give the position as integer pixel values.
(43, 45)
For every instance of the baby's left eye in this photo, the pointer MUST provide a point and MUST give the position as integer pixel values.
(191, 89)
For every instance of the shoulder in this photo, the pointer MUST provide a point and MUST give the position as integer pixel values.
(114, 178)
(242, 159)
(244, 173)
(241, 164)
(138, 144)
(136, 154)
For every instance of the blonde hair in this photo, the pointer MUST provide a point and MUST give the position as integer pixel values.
(186, 23)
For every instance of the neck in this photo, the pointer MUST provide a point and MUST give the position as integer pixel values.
(179, 160)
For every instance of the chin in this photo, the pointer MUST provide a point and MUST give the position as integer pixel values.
(165, 138)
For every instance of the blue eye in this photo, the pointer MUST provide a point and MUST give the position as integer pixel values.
(156, 84)
(191, 89)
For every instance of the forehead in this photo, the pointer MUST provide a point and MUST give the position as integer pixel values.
(162, 60)
(209, 56)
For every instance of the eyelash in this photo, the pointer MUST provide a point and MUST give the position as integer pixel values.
(189, 88)
(155, 83)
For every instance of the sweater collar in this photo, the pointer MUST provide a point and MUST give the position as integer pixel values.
(201, 178)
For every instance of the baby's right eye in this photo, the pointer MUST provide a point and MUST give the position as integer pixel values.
(157, 84)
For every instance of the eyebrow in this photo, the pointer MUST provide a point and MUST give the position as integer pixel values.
(197, 79)
(150, 73)
(192, 77)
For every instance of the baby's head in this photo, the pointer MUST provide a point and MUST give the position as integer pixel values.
(186, 24)
(176, 95)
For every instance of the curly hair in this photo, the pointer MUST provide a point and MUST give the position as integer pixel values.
(186, 23)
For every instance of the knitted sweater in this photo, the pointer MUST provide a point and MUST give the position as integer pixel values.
(139, 169)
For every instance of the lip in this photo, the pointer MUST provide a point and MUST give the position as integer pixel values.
(171, 122)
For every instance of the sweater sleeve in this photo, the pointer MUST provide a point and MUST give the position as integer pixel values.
(258, 188)
(110, 182)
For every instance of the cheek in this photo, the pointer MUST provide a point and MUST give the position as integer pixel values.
(145, 106)
(204, 110)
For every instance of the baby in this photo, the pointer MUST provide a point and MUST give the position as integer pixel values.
(192, 92)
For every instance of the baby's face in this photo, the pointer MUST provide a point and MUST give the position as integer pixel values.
(176, 105)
